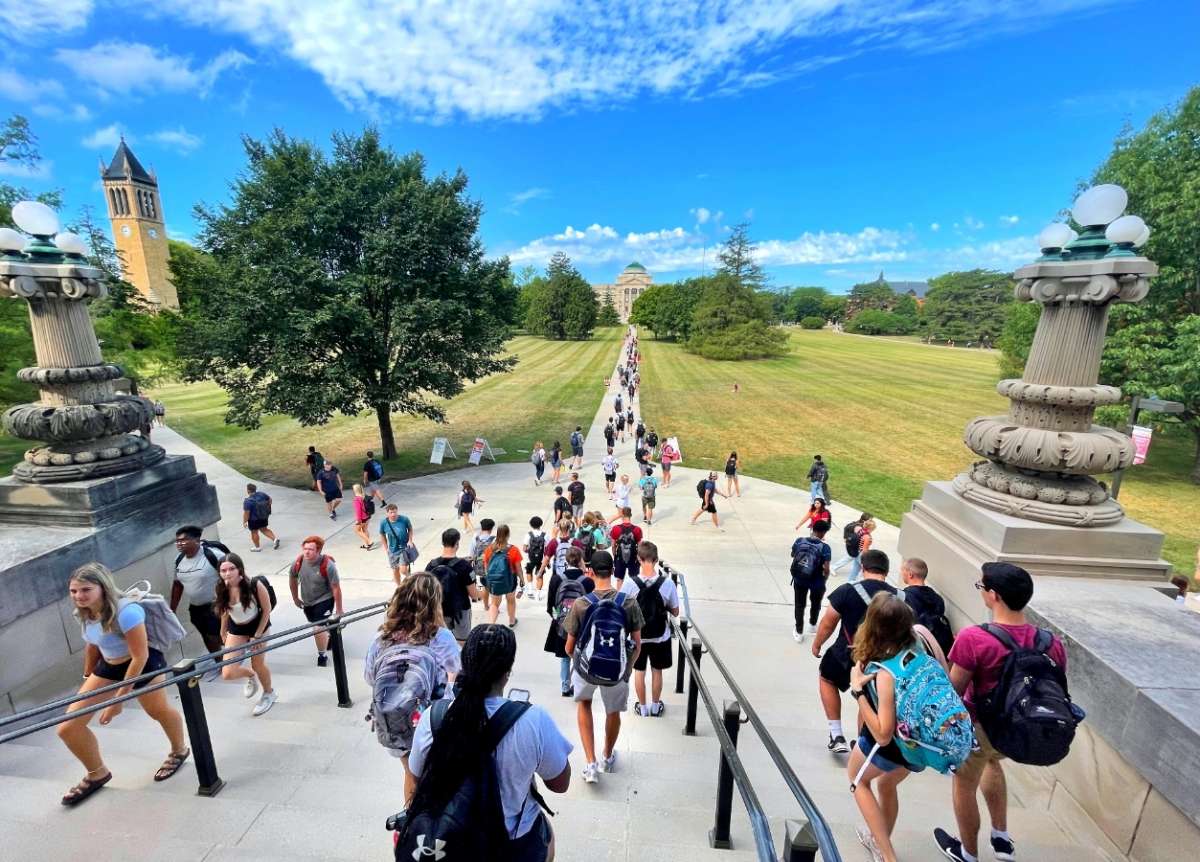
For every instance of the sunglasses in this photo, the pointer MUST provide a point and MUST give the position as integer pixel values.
(980, 585)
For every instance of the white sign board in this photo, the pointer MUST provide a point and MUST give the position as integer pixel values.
(439, 450)
(477, 450)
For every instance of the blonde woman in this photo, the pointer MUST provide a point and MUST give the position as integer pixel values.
(244, 607)
(362, 518)
(114, 631)
(538, 457)
(866, 539)
(502, 573)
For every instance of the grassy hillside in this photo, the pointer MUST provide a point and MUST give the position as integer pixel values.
(885, 414)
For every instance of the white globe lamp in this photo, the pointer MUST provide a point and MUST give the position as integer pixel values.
(11, 241)
(35, 218)
(70, 243)
(1100, 205)
(1054, 237)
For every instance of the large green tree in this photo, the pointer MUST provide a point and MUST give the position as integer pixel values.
(666, 309)
(806, 302)
(877, 295)
(968, 306)
(346, 282)
(562, 305)
(737, 258)
(730, 321)
(20, 156)
(608, 315)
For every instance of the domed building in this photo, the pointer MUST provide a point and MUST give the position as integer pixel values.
(631, 283)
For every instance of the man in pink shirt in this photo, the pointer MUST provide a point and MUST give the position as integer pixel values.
(976, 660)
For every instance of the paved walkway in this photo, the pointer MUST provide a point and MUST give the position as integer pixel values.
(308, 781)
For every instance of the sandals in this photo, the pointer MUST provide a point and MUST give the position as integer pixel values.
(84, 789)
(171, 765)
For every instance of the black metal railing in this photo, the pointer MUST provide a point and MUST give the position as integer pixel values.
(186, 674)
(805, 835)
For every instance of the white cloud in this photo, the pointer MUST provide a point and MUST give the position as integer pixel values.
(19, 88)
(132, 67)
(518, 199)
(935, 227)
(1002, 254)
(27, 19)
(520, 58)
(76, 112)
(1009, 220)
(105, 138)
(702, 214)
(180, 140)
(43, 169)
(972, 223)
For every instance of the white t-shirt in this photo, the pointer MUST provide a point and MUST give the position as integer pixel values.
(610, 464)
(670, 598)
(533, 745)
(623, 490)
(198, 577)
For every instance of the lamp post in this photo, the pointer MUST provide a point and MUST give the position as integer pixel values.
(1042, 456)
(80, 423)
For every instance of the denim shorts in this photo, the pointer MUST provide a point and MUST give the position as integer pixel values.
(883, 764)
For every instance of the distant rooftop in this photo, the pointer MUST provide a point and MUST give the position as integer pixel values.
(635, 265)
(125, 166)
(918, 288)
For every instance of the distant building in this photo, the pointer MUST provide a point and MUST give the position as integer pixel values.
(631, 283)
(135, 210)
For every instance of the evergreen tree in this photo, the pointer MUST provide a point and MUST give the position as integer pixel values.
(737, 258)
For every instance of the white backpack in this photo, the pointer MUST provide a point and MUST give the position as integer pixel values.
(163, 629)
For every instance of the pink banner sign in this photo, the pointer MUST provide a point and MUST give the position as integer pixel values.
(1141, 443)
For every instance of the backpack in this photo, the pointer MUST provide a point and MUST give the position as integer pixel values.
(318, 461)
(649, 489)
(730, 465)
(323, 566)
(654, 608)
(1029, 716)
(206, 548)
(820, 473)
(270, 589)
(465, 500)
(937, 624)
(866, 600)
(576, 438)
(603, 647)
(627, 546)
(369, 506)
(163, 629)
(480, 543)
(260, 506)
(933, 727)
(852, 538)
(407, 679)
(700, 488)
(569, 589)
(537, 548)
(806, 565)
(535, 458)
(374, 470)
(587, 539)
(452, 596)
(470, 826)
(499, 572)
(560, 555)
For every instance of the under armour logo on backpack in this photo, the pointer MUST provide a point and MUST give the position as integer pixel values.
(435, 851)
(606, 642)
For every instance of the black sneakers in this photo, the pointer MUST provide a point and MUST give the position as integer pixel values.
(1004, 850)
(322, 659)
(838, 745)
(951, 847)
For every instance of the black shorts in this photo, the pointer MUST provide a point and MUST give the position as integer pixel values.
(534, 845)
(621, 568)
(116, 672)
(577, 451)
(320, 611)
(711, 508)
(531, 566)
(658, 655)
(835, 664)
(247, 630)
(610, 477)
(256, 525)
(330, 496)
(205, 621)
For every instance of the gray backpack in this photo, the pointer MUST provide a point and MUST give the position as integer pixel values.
(163, 629)
(408, 678)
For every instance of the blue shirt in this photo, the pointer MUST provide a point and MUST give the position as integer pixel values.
(112, 644)
(826, 552)
(396, 534)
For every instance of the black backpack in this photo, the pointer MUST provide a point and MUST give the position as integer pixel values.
(537, 548)
(627, 546)
(206, 548)
(806, 565)
(934, 620)
(654, 609)
(852, 538)
(453, 603)
(700, 488)
(1028, 716)
(270, 589)
(369, 506)
(587, 541)
(470, 826)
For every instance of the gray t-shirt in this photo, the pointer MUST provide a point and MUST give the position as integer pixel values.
(313, 587)
(198, 577)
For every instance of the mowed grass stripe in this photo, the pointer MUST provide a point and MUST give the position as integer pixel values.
(553, 387)
(887, 415)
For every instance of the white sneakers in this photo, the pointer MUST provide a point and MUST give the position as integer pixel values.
(591, 771)
(589, 774)
(250, 687)
(265, 702)
(609, 764)
(798, 637)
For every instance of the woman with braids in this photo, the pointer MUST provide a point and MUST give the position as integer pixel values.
(453, 755)
(413, 620)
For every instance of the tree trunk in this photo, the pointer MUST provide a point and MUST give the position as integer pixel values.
(384, 414)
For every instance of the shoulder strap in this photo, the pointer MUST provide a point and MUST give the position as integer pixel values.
(862, 593)
(658, 582)
(438, 713)
(1042, 641)
(1000, 635)
(296, 566)
(639, 583)
(501, 723)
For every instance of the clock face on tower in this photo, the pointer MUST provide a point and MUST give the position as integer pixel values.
(125, 231)
(153, 233)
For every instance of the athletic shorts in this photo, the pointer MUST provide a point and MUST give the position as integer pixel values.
(330, 496)
(835, 664)
(577, 451)
(648, 503)
(614, 697)
(711, 508)
(658, 655)
(398, 559)
(205, 621)
(534, 845)
(116, 672)
(462, 628)
(256, 525)
(622, 568)
(319, 611)
(610, 477)
(531, 566)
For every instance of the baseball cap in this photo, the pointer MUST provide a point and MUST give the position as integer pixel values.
(601, 561)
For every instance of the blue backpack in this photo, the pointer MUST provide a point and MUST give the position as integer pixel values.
(933, 727)
(499, 572)
(603, 648)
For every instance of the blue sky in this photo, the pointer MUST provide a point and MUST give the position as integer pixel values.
(854, 135)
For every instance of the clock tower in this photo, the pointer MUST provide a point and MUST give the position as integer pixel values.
(135, 210)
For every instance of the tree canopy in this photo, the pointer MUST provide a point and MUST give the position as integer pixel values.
(562, 305)
(666, 309)
(967, 306)
(344, 282)
(730, 321)
(737, 258)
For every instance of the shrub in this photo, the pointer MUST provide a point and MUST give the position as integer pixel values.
(812, 322)
(751, 340)
(875, 322)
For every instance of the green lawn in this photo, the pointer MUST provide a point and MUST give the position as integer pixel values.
(555, 386)
(885, 414)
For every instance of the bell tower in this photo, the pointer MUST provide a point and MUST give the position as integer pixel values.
(135, 211)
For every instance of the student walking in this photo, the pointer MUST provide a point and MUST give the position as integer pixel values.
(818, 512)
(577, 447)
(396, 531)
(329, 480)
(535, 551)
(851, 539)
(538, 458)
(978, 662)
(465, 504)
(455, 737)
(707, 490)
(625, 536)
(413, 634)
(479, 544)
(657, 597)
(364, 507)
(818, 477)
(603, 639)
(649, 487)
(732, 464)
(244, 606)
(668, 457)
(373, 478)
(502, 563)
(556, 462)
(116, 648)
(610, 434)
(561, 507)
(457, 579)
(576, 492)
(620, 425)
(315, 462)
(810, 574)
(563, 591)
(555, 557)
(652, 442)
(256, 515)
(928, 607)
(622, 491)
(847, 606)
(609, 463)
(865, 539)
(196, 574)
(316, 589)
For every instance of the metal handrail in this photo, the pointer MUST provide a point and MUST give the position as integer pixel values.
(267, 643)
(821, 831)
